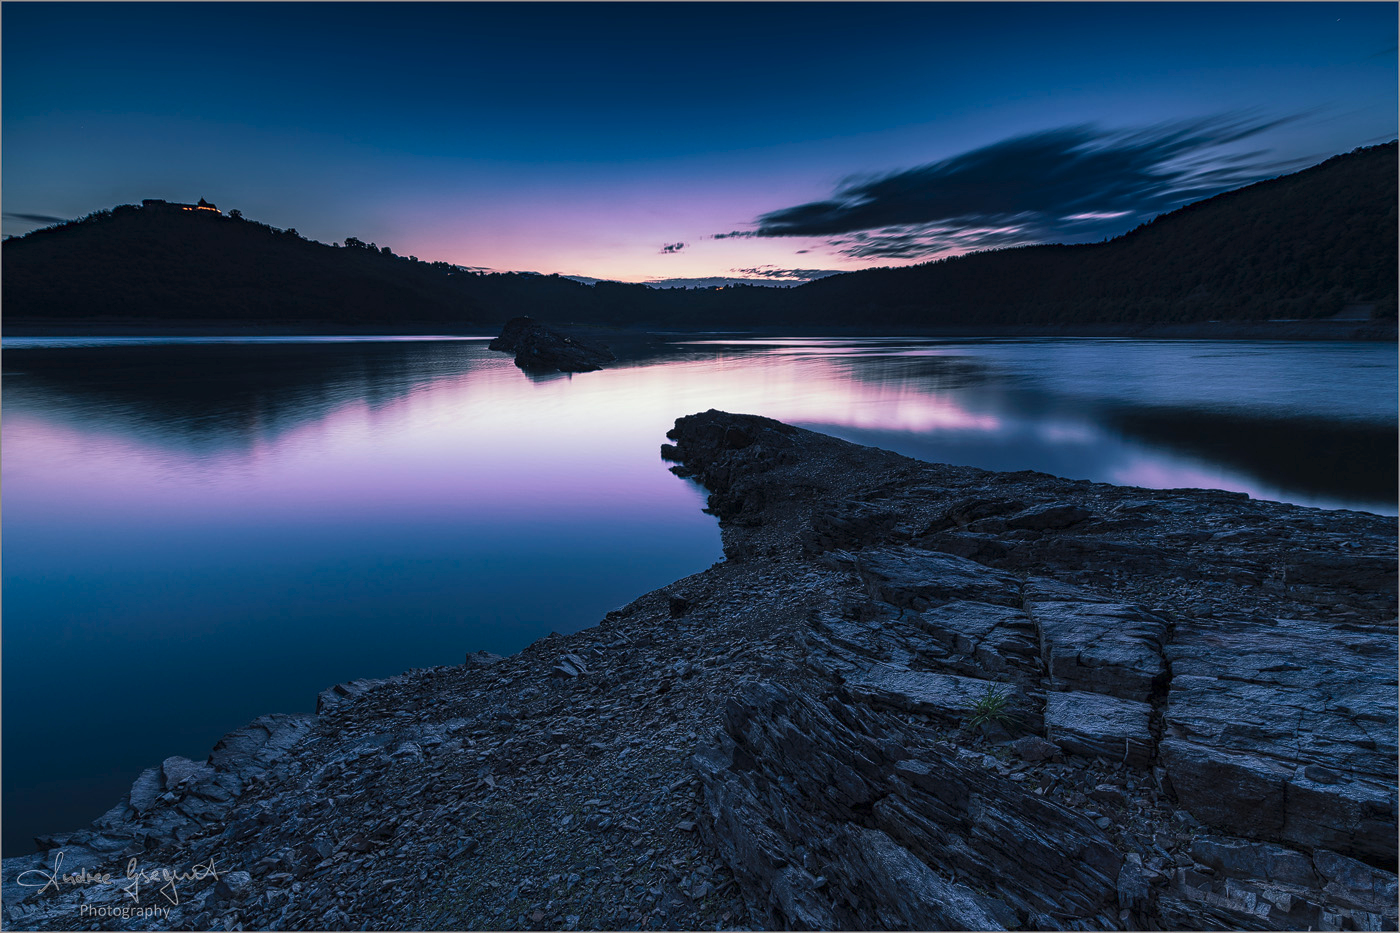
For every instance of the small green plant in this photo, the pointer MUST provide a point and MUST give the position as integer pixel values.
(992, 708)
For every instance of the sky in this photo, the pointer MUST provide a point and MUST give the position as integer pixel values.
(675, 141)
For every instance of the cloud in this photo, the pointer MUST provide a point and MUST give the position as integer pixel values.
(46, 219)
(669, 248)
(758, 275)
(773, 273)
(1072, 184)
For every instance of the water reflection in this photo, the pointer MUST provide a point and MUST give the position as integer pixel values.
(1307, 459)
(211, 531)
(206, 397)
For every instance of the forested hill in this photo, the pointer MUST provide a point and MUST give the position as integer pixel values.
(138, 263)
(1304, 245)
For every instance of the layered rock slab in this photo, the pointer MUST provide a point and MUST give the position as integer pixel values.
(821, 806)
(1112, 668)
(1285, 729)
(1101, 647)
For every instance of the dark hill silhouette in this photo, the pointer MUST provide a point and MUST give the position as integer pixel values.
(142, 263)
(1305, 245)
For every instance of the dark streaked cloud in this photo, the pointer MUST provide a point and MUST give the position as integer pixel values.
(1073, 184)
(776, 274)
(35, 218)
(769, 276)
(669, 248)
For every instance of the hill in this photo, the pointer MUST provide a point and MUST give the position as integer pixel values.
(134, 263)
(1303, 246)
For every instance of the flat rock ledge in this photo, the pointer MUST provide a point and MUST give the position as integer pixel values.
(913, 696)
(540, 349)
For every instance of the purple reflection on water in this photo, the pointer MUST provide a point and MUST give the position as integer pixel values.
(197, 533)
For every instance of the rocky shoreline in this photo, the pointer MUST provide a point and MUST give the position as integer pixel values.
(912, 696)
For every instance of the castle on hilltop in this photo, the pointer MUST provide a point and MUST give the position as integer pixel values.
(156, 204)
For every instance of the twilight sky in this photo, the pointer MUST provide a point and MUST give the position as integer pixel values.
(654, 141)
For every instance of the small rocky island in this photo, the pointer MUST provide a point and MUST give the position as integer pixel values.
(539, 349)
(912, 696)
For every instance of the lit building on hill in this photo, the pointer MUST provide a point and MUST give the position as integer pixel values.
(156, 204)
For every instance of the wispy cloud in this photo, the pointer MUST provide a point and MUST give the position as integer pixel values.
(669, 248)
(776, 274)
(45, 219)
(1076, 183)
(757, 275)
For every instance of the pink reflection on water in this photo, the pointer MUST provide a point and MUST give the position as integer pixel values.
(489, 425)
(1167, 472)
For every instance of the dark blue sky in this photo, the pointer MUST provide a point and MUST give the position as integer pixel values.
(585, 138)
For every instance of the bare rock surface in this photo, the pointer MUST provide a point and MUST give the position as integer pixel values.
(913, 696)
(542, 349)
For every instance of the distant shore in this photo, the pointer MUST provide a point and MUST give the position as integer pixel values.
(1323, 330)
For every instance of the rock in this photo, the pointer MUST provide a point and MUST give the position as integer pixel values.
(539, 348)
(1093, 724)
(982, 548)
(1134, 892)
(950, 697)
(260, 743)
(1239, 858)
(907, 577)
(999, 639)
(848, 525)
(351, 692)
(1101, 647)
(907, 894)
(1034, 748)
(177, 771)
(766, 792)
(1320, 775)
(229, 885)
(967, 510)
(1253, 722)
(569, 665)
(145, 789)
(1049, 516)
(1107, 793)
(1354, 884)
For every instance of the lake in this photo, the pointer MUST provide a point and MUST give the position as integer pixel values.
(200, 531)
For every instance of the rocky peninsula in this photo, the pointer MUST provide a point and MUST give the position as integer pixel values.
(912, 696)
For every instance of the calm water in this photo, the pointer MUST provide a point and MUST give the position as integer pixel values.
(199, 532)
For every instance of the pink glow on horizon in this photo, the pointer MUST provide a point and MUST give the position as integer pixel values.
(593, 227)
